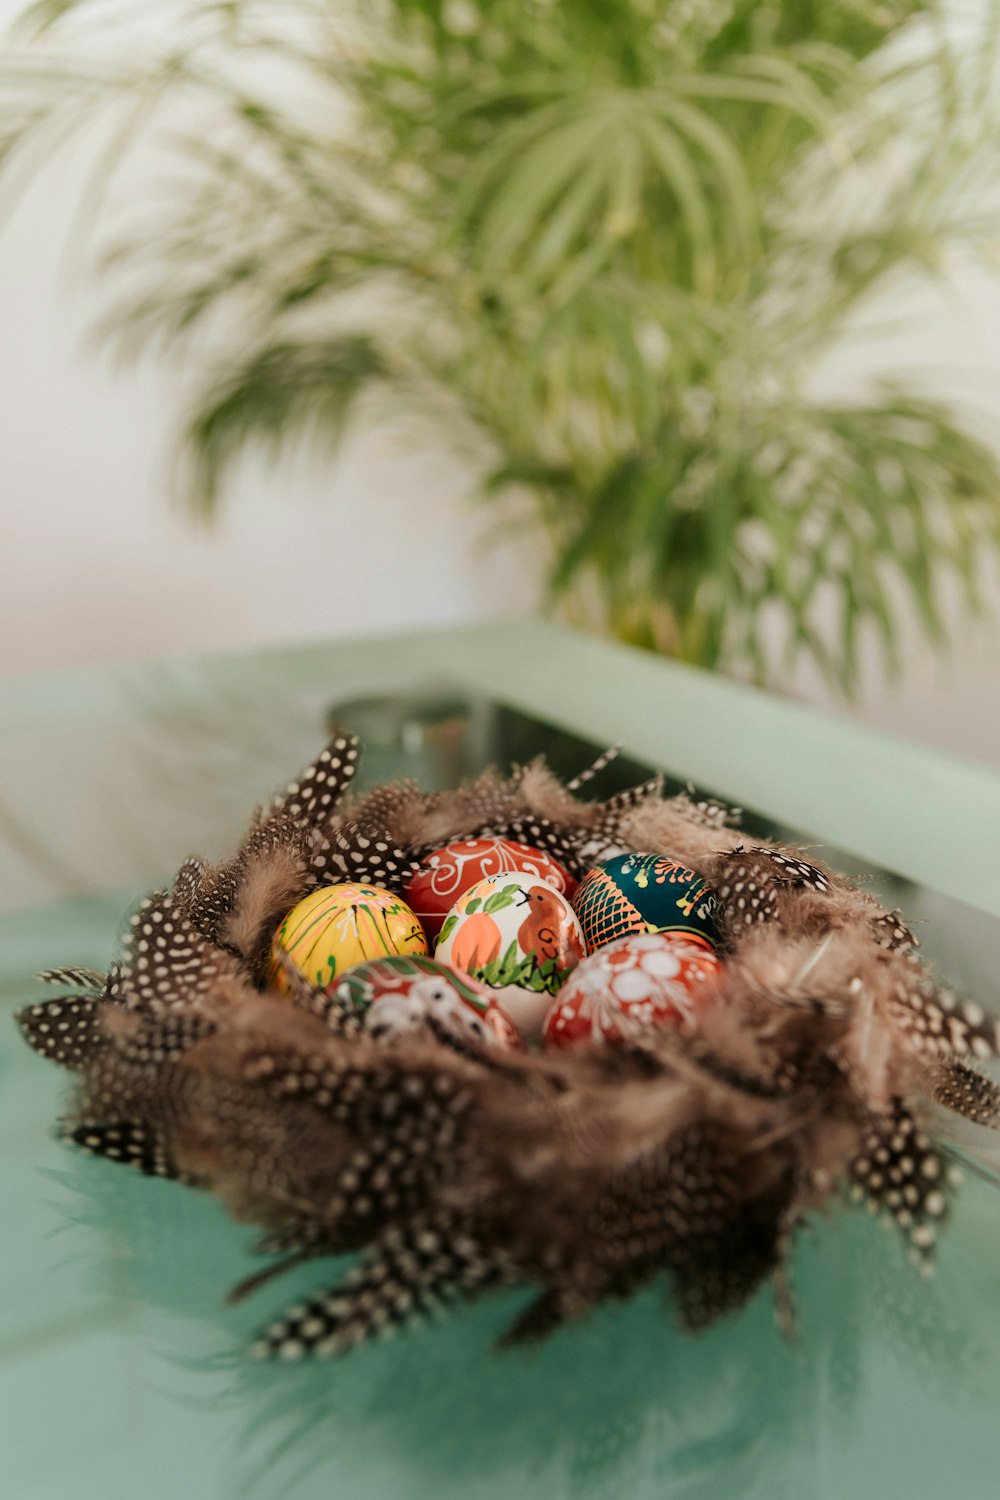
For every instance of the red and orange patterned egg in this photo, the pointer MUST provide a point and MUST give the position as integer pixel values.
(339, 926)
(450, 871)
(409, 993)
(637, 982)
(644, 893)
(512, 930)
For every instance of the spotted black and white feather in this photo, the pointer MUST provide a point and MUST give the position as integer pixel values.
(167, 963)
(892, 932)
(361, 853)
(314, 795)
(162, 1039)
(67, 1030)
(935, 1024)
(591, 772)
(713, 813)
(716, 814)
(748, 888)
(128, 1142)
(187, 886)
(631, 797)
(407, 1275)
(899, 1172)
(967, 1093)
(795, 871)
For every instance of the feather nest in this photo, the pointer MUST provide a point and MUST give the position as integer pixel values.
(813, 1069)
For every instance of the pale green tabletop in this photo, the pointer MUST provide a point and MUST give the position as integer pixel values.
(121, 1368)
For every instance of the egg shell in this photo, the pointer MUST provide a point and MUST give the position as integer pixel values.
(447, 873)
(640, 981)
(343, 925)
(644, 893)
(526, 1008)
(512, 930)
(410, 993)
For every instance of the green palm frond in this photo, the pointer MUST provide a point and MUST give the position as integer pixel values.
(277, 392)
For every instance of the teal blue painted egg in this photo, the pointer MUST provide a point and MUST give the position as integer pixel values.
(644, 893)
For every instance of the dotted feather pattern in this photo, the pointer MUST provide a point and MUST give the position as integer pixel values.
(67, 1031)
(128, 1142)
(828, 1063)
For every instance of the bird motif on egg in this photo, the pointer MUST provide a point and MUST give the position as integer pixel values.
(635, 893)
(409, 993)
(639, 981)
(511, 929)
(339, 926)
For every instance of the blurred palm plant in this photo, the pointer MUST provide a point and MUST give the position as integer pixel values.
(605, 244)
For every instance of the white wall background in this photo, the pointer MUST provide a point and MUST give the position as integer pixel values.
(95, 564)
(96, 561)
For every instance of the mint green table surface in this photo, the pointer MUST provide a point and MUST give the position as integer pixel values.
(121, 1367)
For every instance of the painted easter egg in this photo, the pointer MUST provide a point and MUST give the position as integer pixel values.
(644, 893)
(512, 930)
(409, 993)
(450, 871)
(342, 925)
(637, 982)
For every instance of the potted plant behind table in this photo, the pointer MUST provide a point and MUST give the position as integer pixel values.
(603, 248)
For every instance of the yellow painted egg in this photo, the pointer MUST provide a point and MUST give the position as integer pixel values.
(342, 925)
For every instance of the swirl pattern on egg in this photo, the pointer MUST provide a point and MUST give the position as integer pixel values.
(447, 873)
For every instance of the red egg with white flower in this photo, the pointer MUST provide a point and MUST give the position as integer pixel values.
(446, 874)
(638, 982)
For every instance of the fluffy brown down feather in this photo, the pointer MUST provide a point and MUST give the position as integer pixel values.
(585, 1172)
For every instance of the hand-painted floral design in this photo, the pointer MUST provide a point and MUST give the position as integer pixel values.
(644, 893)
(512, 930)
(476, 943)
(639, 981)
(342, 925)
